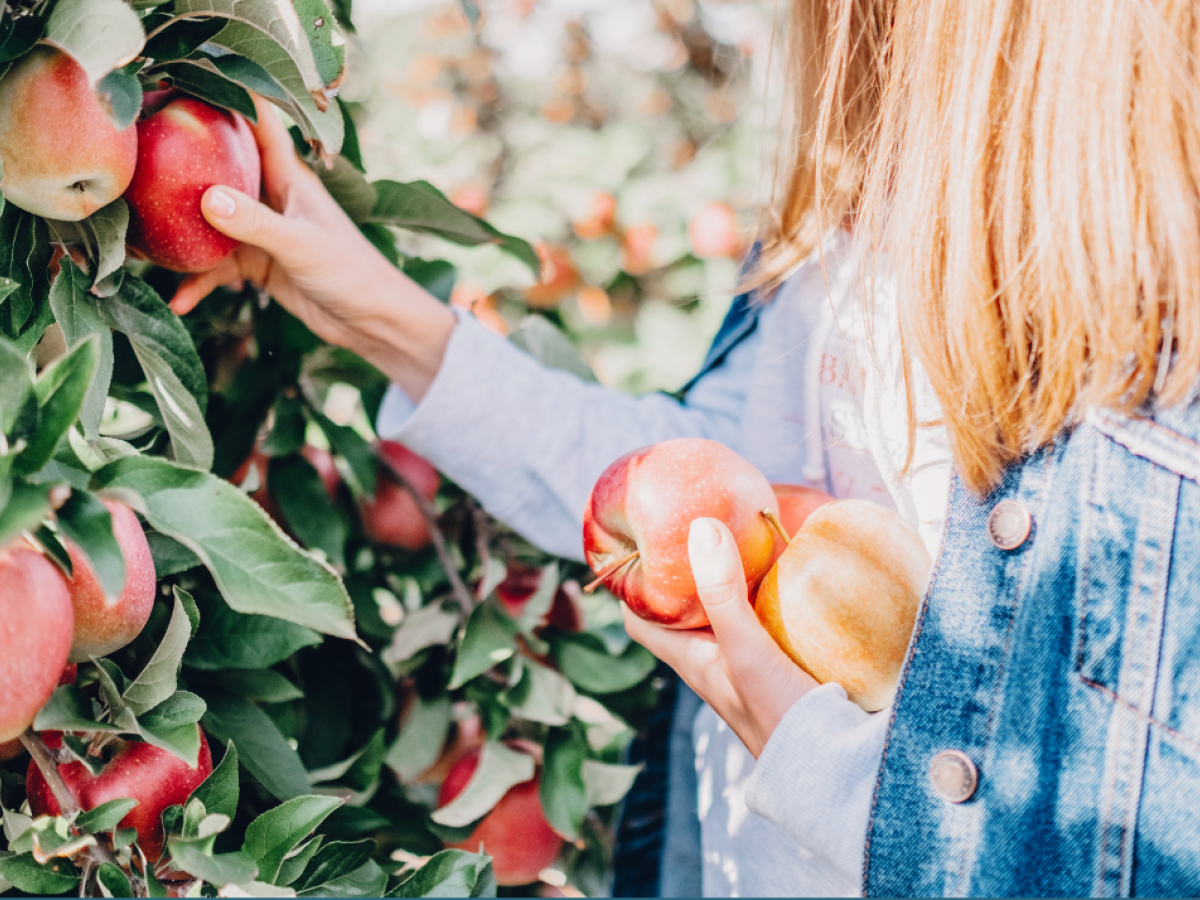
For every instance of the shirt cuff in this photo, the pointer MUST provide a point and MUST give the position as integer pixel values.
(816, 776)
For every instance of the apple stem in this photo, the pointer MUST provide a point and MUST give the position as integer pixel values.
(608, 571)
(429, 514)
(773, 521)
(43, 757)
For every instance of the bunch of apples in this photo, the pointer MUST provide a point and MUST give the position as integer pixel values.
(836, 583)
(161, 166)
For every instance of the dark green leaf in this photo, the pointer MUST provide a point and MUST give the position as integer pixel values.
(451, 873)
(368, 880)
(262, 750)
(60, 390)
(106, 816)
(350, 148)
(69, 709)
(24, 260)
(271, 836)
(360, 772)
(219, 791)
(293, 867)
(202, 79)
(256, 568)
(230, 640)
(170, 556)
(157, 681)
(88, 524)
(78, 314)
(307, 508)
(563, 793)
(27, 506)
(435, 275)
(332, 862)
(585, 661)
(17, 36)
(101, 239)
(56, 877)
(352, 447)
(113, 880)
(120, 95)
(219, 869)
(487, 641)
(287, 429)
(347, 185)
(259, 685)
(18, 402)
(181, 38)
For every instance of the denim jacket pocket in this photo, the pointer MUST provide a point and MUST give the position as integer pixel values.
(1138, 629)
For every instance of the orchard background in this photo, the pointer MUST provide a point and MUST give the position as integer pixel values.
(342, 653)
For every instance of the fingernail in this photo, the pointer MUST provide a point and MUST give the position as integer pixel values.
(704, 535)
(221, 204)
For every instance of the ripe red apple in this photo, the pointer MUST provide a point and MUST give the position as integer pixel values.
(522, 582)
(184, 149)
(12, 749)
(515, 833)
(714, 231)
(134, 770)
(796, 504)
(842, 599)
(638, 246)
(600, 220)
(62, 157)
(36, 624)
(646, 501)
(559, 277)
(393, 517)
(102, 627)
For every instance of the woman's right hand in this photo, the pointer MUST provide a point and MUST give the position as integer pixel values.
(307, 254)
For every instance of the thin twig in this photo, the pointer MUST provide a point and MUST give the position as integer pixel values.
(43, 757)
(481, 527)
(429, 514)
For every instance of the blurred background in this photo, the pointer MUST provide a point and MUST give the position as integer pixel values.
(630, 139)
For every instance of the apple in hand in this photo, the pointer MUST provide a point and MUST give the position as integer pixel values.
(842, 599)
(645, 502)
(62, 157)
(392, 517)
(36, 624)
(796, 504)
(515, 833)
(102, 627)
(12, 749)
(183, 150)
(135, 770)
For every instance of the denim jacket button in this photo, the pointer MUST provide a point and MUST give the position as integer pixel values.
(953, 776)
(1008, 524)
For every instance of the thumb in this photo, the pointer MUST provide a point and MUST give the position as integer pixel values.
(721, 583)
(234, 214)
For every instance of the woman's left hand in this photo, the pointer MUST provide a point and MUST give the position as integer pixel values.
(734, 665)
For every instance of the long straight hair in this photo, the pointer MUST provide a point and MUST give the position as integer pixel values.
(1032, 170)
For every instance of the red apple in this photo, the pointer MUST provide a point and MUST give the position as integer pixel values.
(515, 833)
(102, 627)
(647, 500)
(796, 504)
(600, 220)
(393, 517)
(135, 770)
(322, 461)
(714, 231)
(559, 277)
(184, 149)
(521, 583)
(62, 157)
(12, 749)
(638, 249)
(36, 624)
(842, 599)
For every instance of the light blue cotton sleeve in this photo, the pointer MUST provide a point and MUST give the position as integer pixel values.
(529, 442)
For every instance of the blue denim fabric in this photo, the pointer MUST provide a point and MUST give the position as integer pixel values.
(1068, 670)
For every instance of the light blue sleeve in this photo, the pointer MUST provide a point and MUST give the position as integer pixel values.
(529, 442)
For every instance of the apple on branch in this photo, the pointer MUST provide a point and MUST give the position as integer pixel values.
(637, 519)
(62, 157)
(392, 516)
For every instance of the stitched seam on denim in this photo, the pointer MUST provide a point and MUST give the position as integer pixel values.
(1150, 440)
(1173, 733)
(920, 624)
(1046, 474)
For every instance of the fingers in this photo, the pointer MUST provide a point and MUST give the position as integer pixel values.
(195, 288)
(274, 143)
(242, 218)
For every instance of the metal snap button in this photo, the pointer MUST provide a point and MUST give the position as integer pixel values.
(953, 776)
(1008, 524)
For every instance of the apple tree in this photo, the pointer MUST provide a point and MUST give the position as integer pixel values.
(332, 671)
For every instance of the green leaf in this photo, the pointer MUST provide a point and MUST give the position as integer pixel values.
(18, 35)
(78, 314)
(113, 881)
(24, 260)
(230, 640)
(100, 34)
(170, 556)
(297, 861)
(325, 38)
(352, 447)
(259, 685)
(69, 709)
(350, 147)
(219, 791)
(287, 428)
(271, 836)
(156, 683)
(88, 524)
(435, 275)
(499, 769)
(217, 869)
(419, 206)
(607, 783)
(182, 708)
(101, 237)
(201, 78)
(262, 750)
(487, 640)
(106, 816)
(17, 398)
(333, 861)
(422, 736)
(368, 880)
(27, 505)
(120, 95)
(451, 873)
(256, 568)
(181, 38)
(360, 772)
(173, 370)
(56, 877)
(307, 508)
(548, 697)
(563, 794)
(60, 391)
(549, 346)
(347, 185)
(584, 660)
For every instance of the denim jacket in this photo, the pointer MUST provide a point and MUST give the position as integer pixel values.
(1046, 735)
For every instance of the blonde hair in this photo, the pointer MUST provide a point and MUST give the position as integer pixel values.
(1032, 170)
